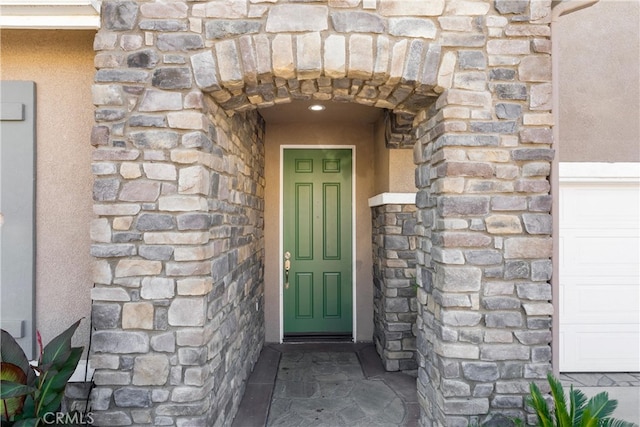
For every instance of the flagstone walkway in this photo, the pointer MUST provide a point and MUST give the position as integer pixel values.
(345, 384)
(328, 385)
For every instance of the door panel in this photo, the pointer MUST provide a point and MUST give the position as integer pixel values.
(332, 294)
(331, 234)
(304, 296)
(304, 221)
(317, 231)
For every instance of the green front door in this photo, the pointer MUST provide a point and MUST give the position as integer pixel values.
(318, 236)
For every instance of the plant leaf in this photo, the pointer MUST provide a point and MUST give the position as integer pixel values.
(614, 422)
(578, 401)
(13, 390)
(59, 380)
(47, 399)
(52, 406)
(58, 346)
(27, 422)
(13, 373)
(600, 406)
(28, 409)
(11, 407)
(537, 402)
(11, 352)
(55, 381)
(588, 420)
(559, 402)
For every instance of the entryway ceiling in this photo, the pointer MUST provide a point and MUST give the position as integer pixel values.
(298, 112)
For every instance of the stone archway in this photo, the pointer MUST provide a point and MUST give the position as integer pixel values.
(400, 76)
(179, 181)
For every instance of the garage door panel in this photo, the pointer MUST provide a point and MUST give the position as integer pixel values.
(596, 254)
(590, 300)
(599, 246)
(588, 203)
(599, 318)
(592, 347)
(595, 280)
(600, 252)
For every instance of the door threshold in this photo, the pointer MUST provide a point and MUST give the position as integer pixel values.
(316, 337)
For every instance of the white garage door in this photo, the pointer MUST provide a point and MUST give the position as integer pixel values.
(599, 267)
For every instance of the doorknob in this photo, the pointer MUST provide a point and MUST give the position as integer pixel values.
(287, 267)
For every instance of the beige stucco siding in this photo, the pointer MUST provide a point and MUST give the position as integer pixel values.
(359, 135)
(599, 86)
(61, 64)
(401, 171)
(381, 159)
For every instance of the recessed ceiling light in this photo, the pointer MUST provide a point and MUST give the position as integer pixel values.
(316, 107)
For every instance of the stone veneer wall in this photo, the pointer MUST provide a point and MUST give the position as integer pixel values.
(179, 193)
(179, 186)
(484, 155)
(394, 272)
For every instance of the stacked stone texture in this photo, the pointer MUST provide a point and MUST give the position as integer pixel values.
(484, 153)
(394, 299)
(179, 190)
(264, 52)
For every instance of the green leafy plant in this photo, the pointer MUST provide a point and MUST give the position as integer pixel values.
(577, 412)
(413, 281)
(28, 393)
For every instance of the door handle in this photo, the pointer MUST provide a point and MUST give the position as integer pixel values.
(287, 267)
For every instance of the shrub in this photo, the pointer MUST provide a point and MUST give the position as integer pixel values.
(578, 412)
(28, 393)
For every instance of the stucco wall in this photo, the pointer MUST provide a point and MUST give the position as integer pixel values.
(360, 135)
(381, 159)
(599, 87)
(401, 171)
(61, 64)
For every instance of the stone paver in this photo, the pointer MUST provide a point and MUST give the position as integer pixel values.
(330, 389)
(328, 385)
(607, 379)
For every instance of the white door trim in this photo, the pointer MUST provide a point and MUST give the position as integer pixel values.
(353, 229)
(599, 173)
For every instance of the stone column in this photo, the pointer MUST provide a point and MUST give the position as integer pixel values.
(483, 155)
(178, 237)
(394, 245)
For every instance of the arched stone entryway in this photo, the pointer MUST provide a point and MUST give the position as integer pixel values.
(179, 191)
(374, 71)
